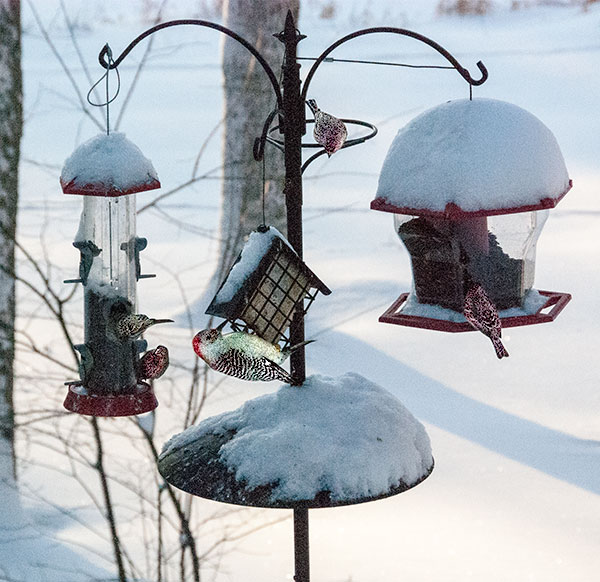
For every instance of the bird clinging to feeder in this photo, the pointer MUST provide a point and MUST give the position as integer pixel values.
(243, 355)
(153, 364)
(329, 131)
(135, 324)
(482, 314)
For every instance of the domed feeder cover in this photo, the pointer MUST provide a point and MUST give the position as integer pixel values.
(470, 184)
(107, 170)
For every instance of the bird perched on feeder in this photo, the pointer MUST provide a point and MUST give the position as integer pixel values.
(482, 314)
(243, 355)
(132, 325)
(153, 364)
(329, 131)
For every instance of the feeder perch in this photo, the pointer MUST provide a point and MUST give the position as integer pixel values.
(265, 286)
(470, 184)
(107, 170)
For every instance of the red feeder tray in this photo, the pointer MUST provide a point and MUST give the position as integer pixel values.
(80, 401)
(556, 302)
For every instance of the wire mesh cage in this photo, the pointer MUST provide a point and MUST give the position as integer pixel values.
(265, 286)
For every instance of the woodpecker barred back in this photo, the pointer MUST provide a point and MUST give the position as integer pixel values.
(243, 355)
(482, 314)
(153, 364)
(133, 325)
(329, 131)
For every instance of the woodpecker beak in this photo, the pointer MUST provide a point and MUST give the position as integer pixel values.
(221, 325)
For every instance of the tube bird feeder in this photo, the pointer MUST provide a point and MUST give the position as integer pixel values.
(107, 171)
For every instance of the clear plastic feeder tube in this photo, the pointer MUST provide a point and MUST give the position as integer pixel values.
(106, 239)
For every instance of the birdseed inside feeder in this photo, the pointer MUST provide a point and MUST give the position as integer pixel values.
(265, 286)
(470, 184)
(107, 170)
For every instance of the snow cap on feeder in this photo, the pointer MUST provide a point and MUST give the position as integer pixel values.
(108, 170)
(108, 165)
(264, 287)
(470, 183)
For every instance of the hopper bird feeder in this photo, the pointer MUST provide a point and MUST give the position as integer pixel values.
(470, 183)
(107, 171)
(265, 287)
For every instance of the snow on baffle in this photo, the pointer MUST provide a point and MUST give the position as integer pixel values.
(108, 165)
(467, 158)
(331, 441)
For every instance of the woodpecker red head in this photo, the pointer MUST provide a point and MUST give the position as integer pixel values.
(329, 131)
(482, 314)
(153, 364)
(242, 355)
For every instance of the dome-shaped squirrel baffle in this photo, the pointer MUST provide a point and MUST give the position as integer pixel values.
(107, 171)
(470, 184)
(275, 452)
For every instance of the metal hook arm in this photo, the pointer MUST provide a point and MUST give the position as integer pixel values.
(402, 31)
(207, 24)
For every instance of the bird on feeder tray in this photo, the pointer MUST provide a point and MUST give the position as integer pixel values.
(329, 131)
(132, 325)
(243, 355)
(482, 314)
(153, 364)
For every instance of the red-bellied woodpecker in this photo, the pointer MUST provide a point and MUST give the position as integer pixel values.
(133, 325)
(329, 131)
(482, 314)
(243, 355)
(153, 364)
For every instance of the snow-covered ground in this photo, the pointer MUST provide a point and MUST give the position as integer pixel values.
(515, 494)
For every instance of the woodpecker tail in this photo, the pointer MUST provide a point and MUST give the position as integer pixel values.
(295, 347)
(312, 105)
(499, 347)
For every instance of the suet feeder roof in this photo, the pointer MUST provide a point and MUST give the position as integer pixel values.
(265, 285)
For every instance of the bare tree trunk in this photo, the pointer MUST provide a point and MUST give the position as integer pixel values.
(249, 99)
(11, 122)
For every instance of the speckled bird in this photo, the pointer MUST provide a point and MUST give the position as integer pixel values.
(329, 131)
(243, 355)
(153, 364)
(482, 314)
(133, 325)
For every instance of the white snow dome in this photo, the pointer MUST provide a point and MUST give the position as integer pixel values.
(108, 165)
(482, 156)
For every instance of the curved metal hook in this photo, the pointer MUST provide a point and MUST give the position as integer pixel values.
(404, 32)
(207, 24)
(260, 142)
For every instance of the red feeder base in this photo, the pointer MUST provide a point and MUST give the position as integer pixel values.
(556, 302)
(142, 400)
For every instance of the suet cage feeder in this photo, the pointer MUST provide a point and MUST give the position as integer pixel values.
(107, 171)
(470, 184)
(265, 287)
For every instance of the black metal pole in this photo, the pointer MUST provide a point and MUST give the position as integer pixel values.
(301, 556)
(294, 126)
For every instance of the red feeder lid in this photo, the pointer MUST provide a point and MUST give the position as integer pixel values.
(472, 158)
(108, 166)
(80, 401)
